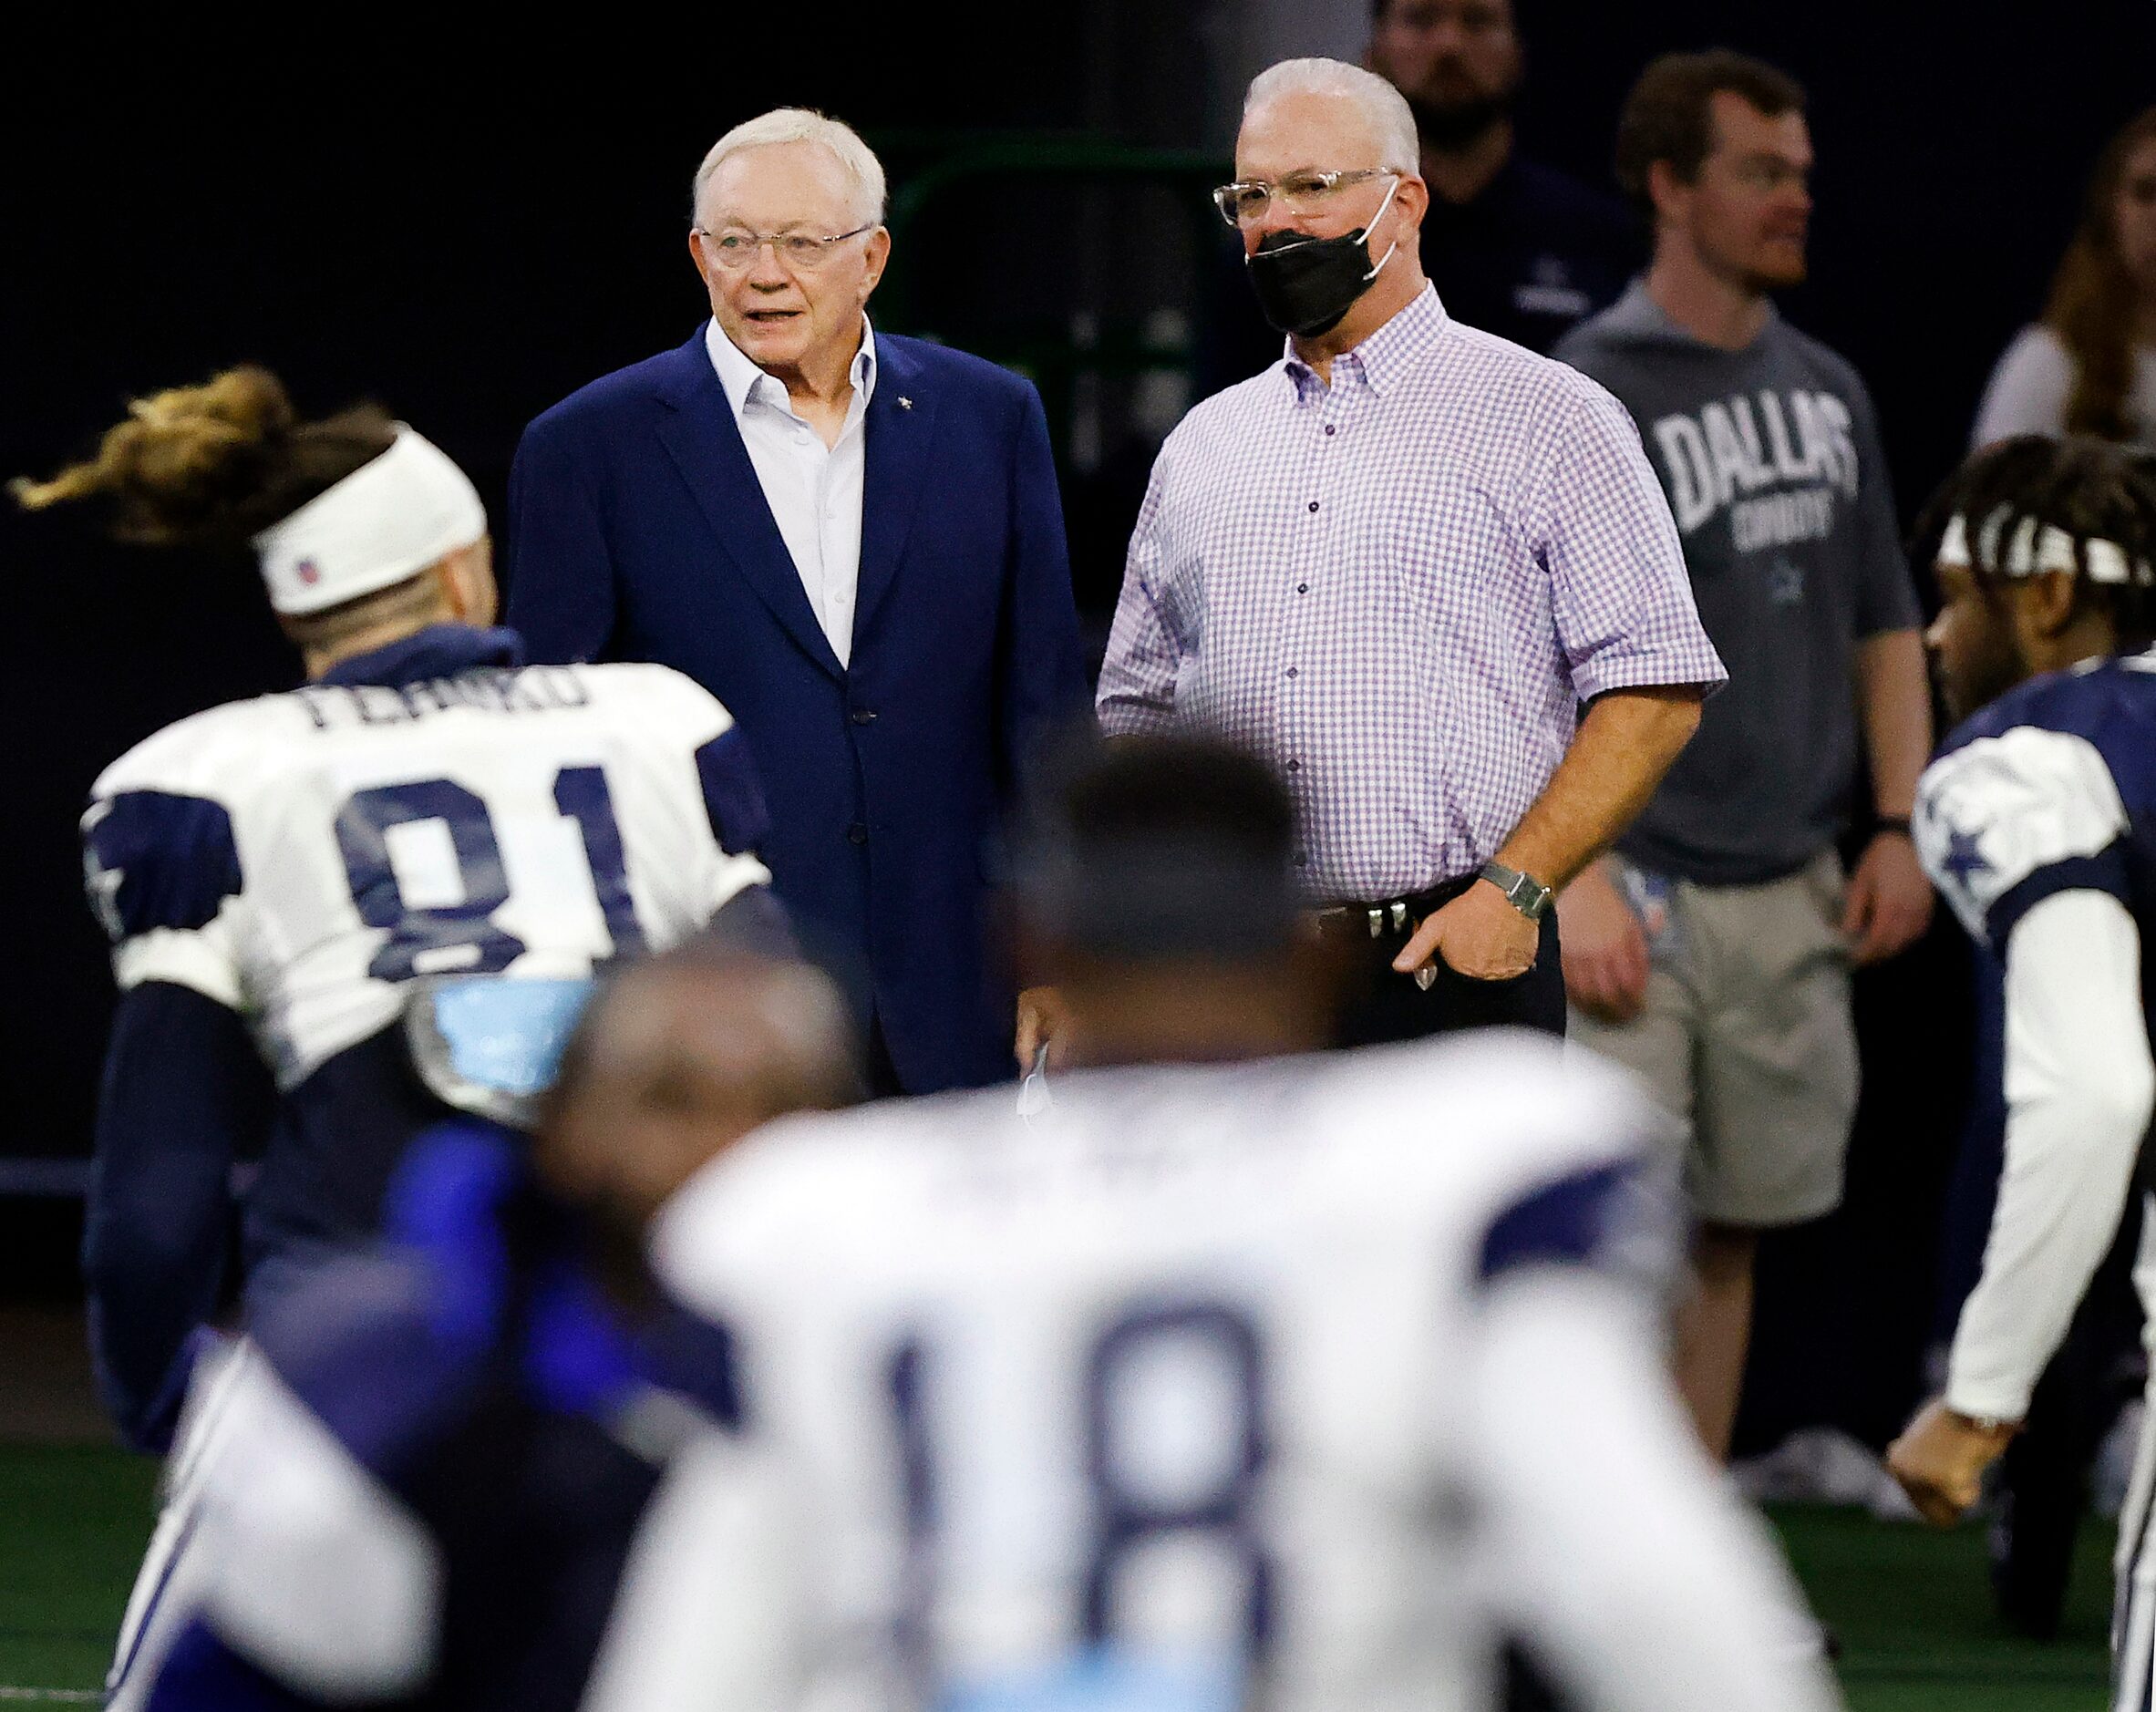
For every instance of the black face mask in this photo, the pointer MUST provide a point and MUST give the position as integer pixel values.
(1305, 286)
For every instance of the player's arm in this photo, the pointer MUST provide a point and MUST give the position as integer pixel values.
(182, 1088)
(184, 1091)
(2079, 1089)
(2021, 833)
(1635, 1578)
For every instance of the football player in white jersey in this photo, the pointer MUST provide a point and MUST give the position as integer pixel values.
(1237, 1377)
(2037, 823)
(276, 872)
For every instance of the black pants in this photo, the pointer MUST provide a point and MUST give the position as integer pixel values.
(1380, 1005)
(2044, 1478)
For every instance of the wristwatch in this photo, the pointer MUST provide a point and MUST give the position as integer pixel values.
(1524, 893)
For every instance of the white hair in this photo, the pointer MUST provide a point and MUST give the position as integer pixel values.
(1383, 107)
(857, 161)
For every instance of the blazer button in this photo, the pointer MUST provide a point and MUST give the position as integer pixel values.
(857, 833)
(864, 716)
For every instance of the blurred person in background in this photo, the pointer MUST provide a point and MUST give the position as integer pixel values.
(2036, 820)
(444, 1463)
(856, 541)
(274, 873)
(2090, 366)
(1711, 951)
(1241, 1375)
(1514, 247)
(1397, 563)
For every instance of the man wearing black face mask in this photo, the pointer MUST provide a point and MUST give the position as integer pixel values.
(1395, 564)
(1514, 247)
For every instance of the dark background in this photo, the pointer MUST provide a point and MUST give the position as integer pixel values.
(468, 226)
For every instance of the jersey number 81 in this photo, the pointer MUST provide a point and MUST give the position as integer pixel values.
(464, 936)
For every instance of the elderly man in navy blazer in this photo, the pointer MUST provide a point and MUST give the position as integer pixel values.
(855, 541)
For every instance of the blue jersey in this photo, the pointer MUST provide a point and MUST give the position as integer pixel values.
(439, 1457)
(2052, 788)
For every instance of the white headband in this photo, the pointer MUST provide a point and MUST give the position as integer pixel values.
(389, 520)
(2035, 548)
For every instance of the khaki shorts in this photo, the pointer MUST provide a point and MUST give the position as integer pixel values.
(1747, 1037)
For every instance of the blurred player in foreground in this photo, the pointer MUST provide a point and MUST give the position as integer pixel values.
(2036, 824)
(1238, 1377)
(439, 1457)
(275, 873)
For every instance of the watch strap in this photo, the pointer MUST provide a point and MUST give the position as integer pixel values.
(1523, 892)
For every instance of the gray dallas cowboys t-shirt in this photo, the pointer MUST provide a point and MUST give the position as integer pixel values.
(1771, 460)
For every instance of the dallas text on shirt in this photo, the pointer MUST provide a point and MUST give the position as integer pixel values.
(1720, 453)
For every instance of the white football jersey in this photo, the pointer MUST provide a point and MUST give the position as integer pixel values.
(298, 857)
(1173, 1395)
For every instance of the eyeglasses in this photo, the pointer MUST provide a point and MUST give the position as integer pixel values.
(1303, 194)
(734, 249)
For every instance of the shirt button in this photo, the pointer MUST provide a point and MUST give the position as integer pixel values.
(1293, 670)
(864, 716)
(1330, 430)
(857, 833)
(1302, 588)
(1295, 767)
(1314, 505)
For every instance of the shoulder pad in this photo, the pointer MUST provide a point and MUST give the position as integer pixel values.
(157, 859)
(1619, 1217)
(2001, 809)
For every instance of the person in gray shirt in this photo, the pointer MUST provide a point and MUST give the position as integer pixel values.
(1711, 951)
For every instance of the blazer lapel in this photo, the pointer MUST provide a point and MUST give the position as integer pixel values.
(900, 431)
(704, 442)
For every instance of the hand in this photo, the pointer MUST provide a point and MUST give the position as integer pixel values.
(1940, 1459)
(1479, 933)
(1605, 949)
(1889, 902)
(1043, 1020)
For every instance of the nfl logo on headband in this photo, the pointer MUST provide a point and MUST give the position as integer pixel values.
(389, 520)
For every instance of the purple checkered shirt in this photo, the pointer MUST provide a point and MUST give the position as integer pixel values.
(1399, 588)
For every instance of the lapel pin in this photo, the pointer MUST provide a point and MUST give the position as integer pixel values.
(904, 403)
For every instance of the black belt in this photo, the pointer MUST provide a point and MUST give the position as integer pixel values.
(1394, 918)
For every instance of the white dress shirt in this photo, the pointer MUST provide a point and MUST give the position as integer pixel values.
(813, 490)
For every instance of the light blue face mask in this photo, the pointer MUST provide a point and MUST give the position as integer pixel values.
(491, 1046)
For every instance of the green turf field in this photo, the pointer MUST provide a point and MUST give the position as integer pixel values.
(1910, 1606)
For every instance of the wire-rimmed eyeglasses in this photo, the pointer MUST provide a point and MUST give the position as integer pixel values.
(734, 248)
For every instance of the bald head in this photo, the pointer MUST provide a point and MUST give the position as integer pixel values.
(677, 1058)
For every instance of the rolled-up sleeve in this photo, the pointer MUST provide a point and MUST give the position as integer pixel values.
(1619, 591)
(1137, 691)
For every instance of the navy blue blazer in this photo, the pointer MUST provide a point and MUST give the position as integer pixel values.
(638, 531)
